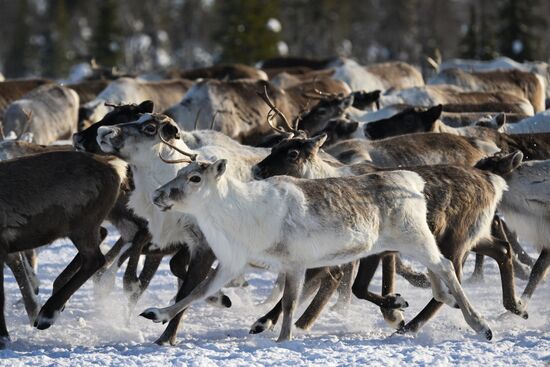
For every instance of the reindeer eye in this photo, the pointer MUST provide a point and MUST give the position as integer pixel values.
(293, 154)
(195, 179)
(150, 129)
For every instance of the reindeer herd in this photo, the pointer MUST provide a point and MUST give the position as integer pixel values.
(318, 170)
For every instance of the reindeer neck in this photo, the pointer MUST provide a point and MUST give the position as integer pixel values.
(319, 168)
(441, 127)
(151, 174)
(233, 197)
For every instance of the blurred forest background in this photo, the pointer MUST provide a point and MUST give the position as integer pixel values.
(47, 37)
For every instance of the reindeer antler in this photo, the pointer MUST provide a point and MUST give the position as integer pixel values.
(320, 94)
(192, 156)
(213, 120)
(197, 119)
(275, 111)
(114, 105)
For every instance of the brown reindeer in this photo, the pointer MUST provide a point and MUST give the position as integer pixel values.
(88, 191)
(449, 190)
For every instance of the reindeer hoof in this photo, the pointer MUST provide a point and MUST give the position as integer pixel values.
(260, 326)
(396, 301)
(488, 334)
(219, 301)
(518, 308)
(154, 315)
(226, 301)
(166, 343)
(45, 319)
(394, 317)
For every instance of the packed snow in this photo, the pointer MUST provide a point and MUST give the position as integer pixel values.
(91, 332)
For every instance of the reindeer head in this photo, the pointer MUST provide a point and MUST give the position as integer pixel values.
(339, 129)
(139, 141)
(496, 122)
(501, 164)
(412, 120)
(291, 157)
(191, 187)
(85, 140)
(328, 108)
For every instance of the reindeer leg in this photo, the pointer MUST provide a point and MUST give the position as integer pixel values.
(431, 309)
(213, 283)
(450, 275)
(477, 275)
(293, 284)
(522, 261)
(313, 279)
(130, 281)
(537, 274)
(178, 266)
(30, 265)
(199, 267)
(522, 255)
(67, 273)
(277, 290)
(367, 268)
(393, 316)
(111, 257)
(502, 253)
(4, 335)
(150, 267)
(329, 284)
(91, 259)
(413, 277)
(344, 285)
(15, 262)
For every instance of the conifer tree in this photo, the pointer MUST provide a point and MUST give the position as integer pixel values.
(243, 34)
(106, 47)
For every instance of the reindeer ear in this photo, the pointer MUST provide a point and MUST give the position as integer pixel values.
(84, 113)
(146, 107)
(500, 120)
(346, 102)
(318, 141)
(170, 131)
(351, 127)
(433, 113)
(511, 161)
(218, 167)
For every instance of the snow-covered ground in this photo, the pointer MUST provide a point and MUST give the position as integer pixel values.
(88, 333)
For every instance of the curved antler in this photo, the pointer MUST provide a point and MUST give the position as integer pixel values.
(173, 161)
(197, 119)
(275, 111)
(192, 156)
(114, 105)
(213, 120)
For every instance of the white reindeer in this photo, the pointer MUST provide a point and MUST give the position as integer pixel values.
(291, 224)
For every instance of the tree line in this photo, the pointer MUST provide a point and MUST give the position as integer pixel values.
(47, 37)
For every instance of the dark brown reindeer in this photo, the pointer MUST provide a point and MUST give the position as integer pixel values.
(412, 120)
(449, 191)
(335, 106)
(88, 191)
